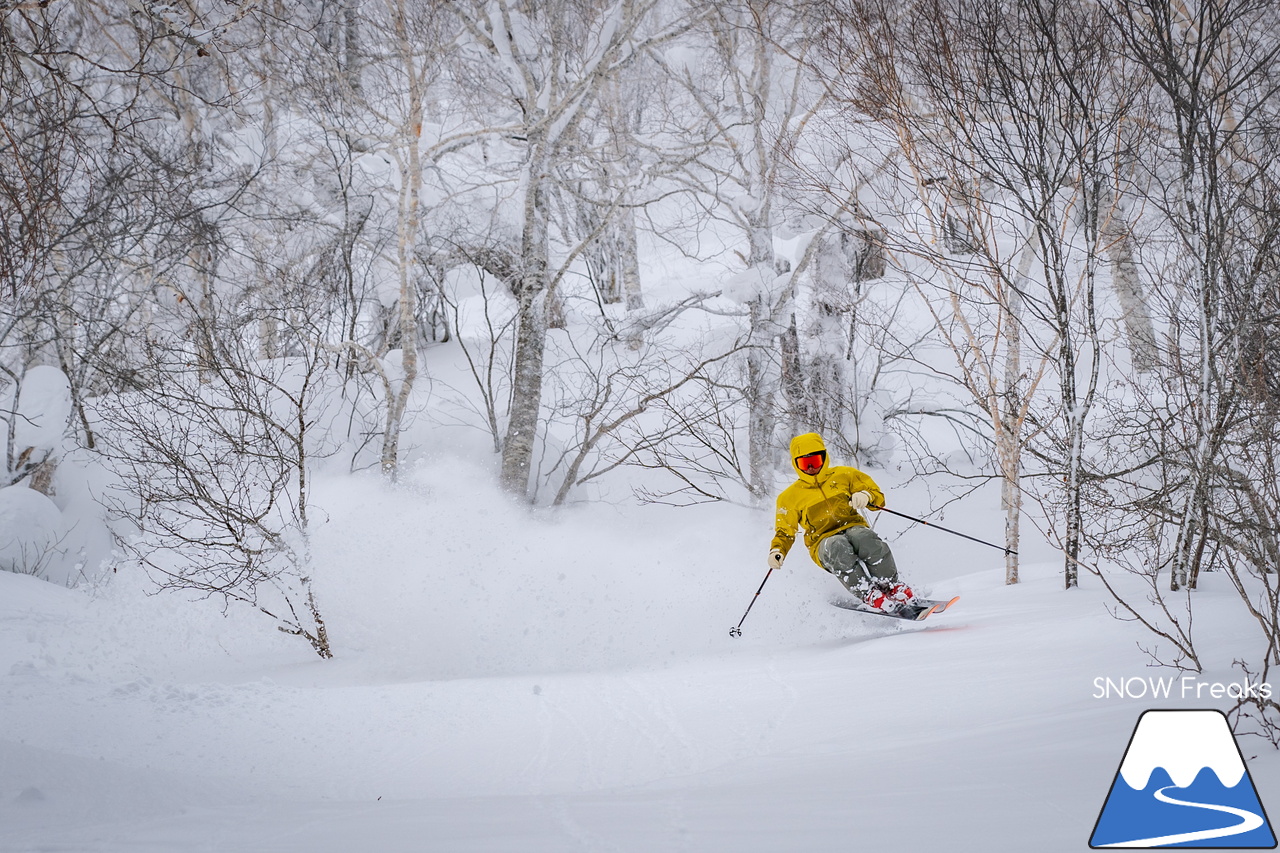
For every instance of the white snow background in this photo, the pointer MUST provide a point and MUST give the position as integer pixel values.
(508, 682)
(523, 680)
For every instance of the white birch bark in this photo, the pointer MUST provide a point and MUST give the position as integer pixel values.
(408, 154)
(1117, 236)
(1008, 426)
(761, 111)
(531, 299)
(552, 73)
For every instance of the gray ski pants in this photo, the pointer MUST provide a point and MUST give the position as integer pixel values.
(857, 556)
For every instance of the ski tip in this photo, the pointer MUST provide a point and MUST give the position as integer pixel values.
(926, 613)
(940, 606)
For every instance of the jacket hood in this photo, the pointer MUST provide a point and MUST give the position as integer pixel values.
(803, 445)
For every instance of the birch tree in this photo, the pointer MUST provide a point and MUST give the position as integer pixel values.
(1200, 471)
(544, 66)
(385, 79)
(745, 101)
(1214, 77)
(1003, 116)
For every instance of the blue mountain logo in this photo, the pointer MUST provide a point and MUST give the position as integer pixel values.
(1183, 783)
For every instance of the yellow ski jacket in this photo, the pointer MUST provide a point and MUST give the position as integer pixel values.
(820, 502)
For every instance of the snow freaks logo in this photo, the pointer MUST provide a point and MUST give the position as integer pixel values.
(1182, 783)
(1186, 687)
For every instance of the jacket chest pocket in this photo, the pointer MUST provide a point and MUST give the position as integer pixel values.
(828, 513)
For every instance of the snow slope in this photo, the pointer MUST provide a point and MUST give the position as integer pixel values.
(507, 682)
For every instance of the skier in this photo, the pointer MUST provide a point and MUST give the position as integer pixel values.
(828, 503)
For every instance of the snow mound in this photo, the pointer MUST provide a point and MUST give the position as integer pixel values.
(31, 529)
(44, 405)
(446, 577)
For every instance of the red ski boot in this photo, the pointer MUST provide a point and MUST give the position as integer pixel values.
(890, 596)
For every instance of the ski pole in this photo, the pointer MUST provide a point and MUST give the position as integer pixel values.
(736, 631)
(947, 530)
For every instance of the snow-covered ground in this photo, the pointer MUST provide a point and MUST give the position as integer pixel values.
(507, 682)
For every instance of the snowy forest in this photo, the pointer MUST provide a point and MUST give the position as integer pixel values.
(620, 252)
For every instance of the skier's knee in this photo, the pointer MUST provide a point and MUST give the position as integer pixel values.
(882, 568)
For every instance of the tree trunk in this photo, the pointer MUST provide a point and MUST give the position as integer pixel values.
(409, 158)
(1118, 240)
(793, 386)
(762, 380)
(526, 383)
(629, 260)
(526, 395)
(760, 393)
(1009, 423)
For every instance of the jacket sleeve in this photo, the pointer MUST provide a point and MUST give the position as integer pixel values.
(856, 481)
(786, 523)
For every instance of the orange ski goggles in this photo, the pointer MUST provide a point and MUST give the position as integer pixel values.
(812, 463)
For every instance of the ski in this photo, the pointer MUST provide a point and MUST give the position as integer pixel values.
(923, 608)
(941, 605)
(909, 613)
